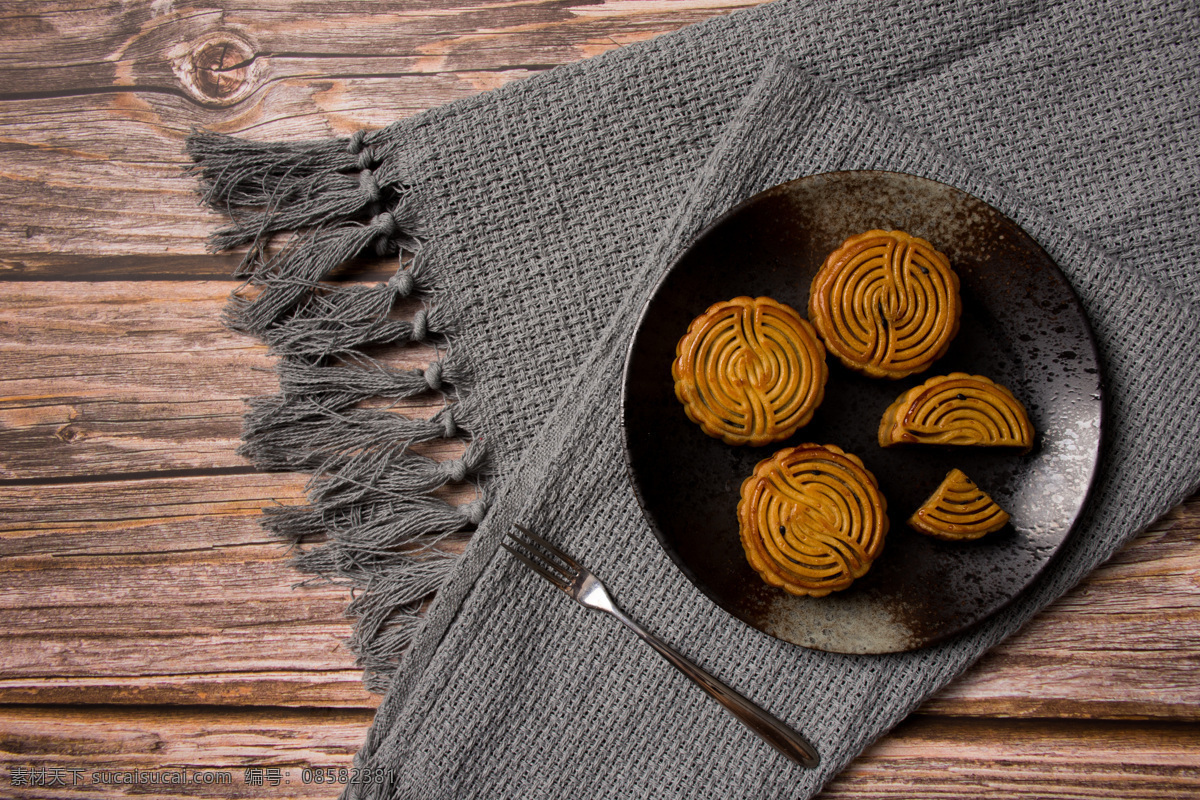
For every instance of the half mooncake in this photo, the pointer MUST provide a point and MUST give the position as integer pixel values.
(750, 371)
(958, 510)
(957, 409)
(886, 303)
(812, 519)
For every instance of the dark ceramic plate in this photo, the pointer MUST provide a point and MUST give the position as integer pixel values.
(1021, 325)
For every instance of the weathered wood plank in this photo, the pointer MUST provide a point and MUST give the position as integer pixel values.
(107, 582)
(79, 47)
(127, 619)
(132, 377)
(32, 266)
(166, 590)
(99, 100)
(130, 632)
(155, 523)
(939, 758)
(926, 758)
(199, 519)
(122, 377)
(1124, 643)
(86, 746)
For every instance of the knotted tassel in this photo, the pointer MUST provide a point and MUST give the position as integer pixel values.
(394, 523)
(236, 173)
(326, 199)
(389, 616)
(377, 527)
(300, 434)
(405, 577)
(292, 274)
(393, 591)
(342, 320)
(375, 474)
(344, 384)
(312, 338)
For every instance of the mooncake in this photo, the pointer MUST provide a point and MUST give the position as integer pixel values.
(958, 510)
(750, 371)
(957, 409)
(886, 303)
(812, 519)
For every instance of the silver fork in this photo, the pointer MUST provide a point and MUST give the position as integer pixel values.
(586, 589)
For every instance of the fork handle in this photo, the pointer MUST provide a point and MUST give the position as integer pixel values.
(766, 725)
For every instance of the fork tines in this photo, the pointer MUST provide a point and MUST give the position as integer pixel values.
(542, 557)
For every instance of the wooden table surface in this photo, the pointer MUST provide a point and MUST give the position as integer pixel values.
(150, 624)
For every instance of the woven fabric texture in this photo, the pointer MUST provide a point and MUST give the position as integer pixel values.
(541, 216)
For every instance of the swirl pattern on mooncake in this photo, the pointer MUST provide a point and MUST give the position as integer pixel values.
(812, 519)
(958, 510)
(957, 409)
(886, 303)
(750, 371)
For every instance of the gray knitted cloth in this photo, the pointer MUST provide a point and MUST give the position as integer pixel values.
(534, 222)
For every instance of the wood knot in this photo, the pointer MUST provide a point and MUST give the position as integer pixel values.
(219, 70)
(69, 433)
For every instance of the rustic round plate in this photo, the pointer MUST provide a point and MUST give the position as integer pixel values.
(1021, 325)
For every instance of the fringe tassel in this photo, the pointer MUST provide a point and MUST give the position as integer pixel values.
(392, 472)
(371, 531)
(343, 320)
(372, 498)
(323, 197)
(389, 615)
(238, 173)
(343, 385)
(389, 607)
(303, 435)
(291, 275)
(321, 338)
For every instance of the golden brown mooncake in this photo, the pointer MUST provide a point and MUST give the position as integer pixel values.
(750, 371)
(812, 519)
(958, 510)
(957, 409)
(886, 303)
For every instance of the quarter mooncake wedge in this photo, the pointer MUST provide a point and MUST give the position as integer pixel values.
(750, 371)
(812, 519)
(957, 409)
(958, 510)
(886, 303)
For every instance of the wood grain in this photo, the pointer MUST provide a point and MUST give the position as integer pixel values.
(1124, 644)
(122, 377)
(127, 376)
(88, 567)
(939, 758)
(151, 623)
(168, 591)
(97, 100)
(924, 759)
(221, 743)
